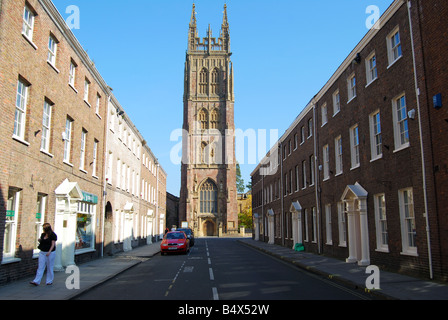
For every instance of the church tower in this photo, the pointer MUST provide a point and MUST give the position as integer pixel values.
(208, 191)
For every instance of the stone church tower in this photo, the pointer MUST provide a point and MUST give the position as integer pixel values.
(208, 200)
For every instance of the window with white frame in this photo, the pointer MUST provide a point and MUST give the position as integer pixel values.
(351, 85)
(394, 51)
(381, 222)
(342, 227)
(123, 176)
(28, 22)
(20, 112)
(354, 146)
(311, 170)
(95, 157)
(82, 160)
(326, 161)
(133, 183)
(118, 173)
(290, 181)
(86, 90)
(110, 161)
(400, 118)
(336, 102)
(72, 73)
(98, 103)
(296, 141)
(41, 205)
(313, 224)
(67, 139)
(371, 69)
(12, 212)
(52, 50)
(305, 214)
(46, 127)
(297, 178)
(324, 113)
(329, 233)
(128, 179)
(376, 140)
(302, 135)
(407, 219)
(303, 174)
(338, 154)
(310, 127)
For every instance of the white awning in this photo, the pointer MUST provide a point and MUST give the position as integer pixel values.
(354, 191)
(295, 207)
(129, 206)
(69, 189)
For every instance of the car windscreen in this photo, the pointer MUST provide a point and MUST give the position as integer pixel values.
(177, 235)
(187, 231)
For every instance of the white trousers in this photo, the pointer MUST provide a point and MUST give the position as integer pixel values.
(45, 262)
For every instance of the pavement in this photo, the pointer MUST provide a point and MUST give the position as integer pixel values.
(393, 286)
(91, 274)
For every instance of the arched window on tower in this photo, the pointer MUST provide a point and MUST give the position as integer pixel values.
(214, 119)
(203, 119)
(203, 81)
(209, 197)
(214, 86)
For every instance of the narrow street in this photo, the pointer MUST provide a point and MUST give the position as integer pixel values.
(218, 269)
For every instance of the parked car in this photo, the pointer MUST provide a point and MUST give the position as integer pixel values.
(175, 241)
(189, 234)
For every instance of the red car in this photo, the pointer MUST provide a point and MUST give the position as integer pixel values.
(175, 241)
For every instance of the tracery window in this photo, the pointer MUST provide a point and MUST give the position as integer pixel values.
(214, 119)
(203, 119)
(203, 81)
(215, 81)
(209, 197)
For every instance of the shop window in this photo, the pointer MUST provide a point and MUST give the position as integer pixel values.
(85, 228)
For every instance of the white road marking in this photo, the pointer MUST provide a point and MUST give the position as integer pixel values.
(215, 293)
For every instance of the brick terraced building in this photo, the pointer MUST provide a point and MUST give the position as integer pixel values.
(361, 174)
(57, 112)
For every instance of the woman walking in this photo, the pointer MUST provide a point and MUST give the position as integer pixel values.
(47, 246)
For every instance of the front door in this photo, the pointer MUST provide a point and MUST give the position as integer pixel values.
(209, 228)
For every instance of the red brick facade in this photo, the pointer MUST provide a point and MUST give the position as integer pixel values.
(52, 137)
(344, 210)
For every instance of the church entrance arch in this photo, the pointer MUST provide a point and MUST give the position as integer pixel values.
(209, 228)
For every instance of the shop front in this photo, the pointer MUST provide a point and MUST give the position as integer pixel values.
(74, 223)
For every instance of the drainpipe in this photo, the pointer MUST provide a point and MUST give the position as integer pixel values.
(425, 196)
(105, 162)
(262, 199)
(316, 182)
(282, 197)
(157, 201)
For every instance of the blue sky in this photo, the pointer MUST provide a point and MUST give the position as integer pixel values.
(284, 52)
